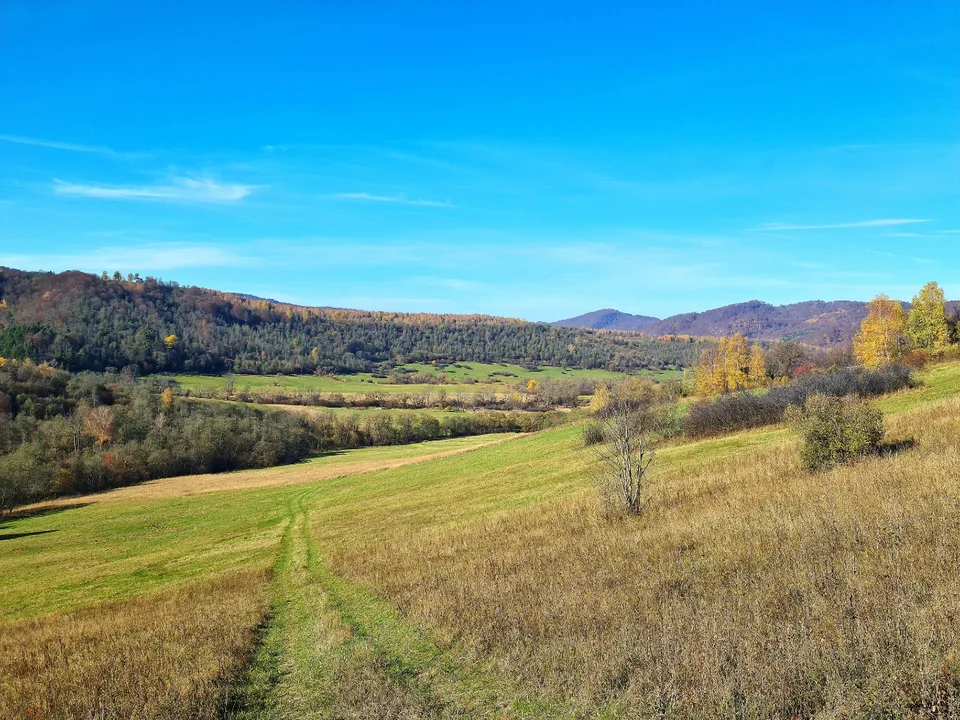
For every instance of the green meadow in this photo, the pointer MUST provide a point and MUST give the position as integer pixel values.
(487, 583)
(466, 377)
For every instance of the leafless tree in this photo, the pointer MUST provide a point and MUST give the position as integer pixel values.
(631, 428)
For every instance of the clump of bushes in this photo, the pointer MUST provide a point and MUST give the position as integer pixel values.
(743, 410)
(836, 430)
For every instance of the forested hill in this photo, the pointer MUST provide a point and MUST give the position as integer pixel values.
(85, 321)
(814, 322)
(609, 319)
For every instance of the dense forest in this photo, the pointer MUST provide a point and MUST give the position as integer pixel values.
(87, 322)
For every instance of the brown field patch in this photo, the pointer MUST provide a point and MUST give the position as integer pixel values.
(170, 654)
(750, 589)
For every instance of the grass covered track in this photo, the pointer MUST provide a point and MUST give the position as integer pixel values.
(487, 584)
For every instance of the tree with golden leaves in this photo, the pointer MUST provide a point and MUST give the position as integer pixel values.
(736, 362)
(724, 367)
(166, 398)
(882, 333)
(170, 341)
(757, 367)
(710, 377)
(601, 398)
(927, 325)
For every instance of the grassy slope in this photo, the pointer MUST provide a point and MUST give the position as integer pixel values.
(481, 373)
(372, 526)
(103, 547)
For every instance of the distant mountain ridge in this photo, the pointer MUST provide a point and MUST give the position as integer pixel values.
(608, 319)
(813, 322)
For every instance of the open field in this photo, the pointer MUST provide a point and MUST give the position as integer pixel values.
(471, 578)
(483, 377)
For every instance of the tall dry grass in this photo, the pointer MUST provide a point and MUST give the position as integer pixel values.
(164, 655)
(751, 588)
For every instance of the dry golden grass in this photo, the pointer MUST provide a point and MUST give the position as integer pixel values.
(750, 589)
(331, 467)
(165, 655)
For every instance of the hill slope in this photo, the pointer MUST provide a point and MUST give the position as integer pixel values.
(813, 322)
(489, 584)
(83, 322)
(608, 319)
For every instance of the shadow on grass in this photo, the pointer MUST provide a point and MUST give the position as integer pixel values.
(22, 514)
(14, 536)
(324, 454)
(895, 448)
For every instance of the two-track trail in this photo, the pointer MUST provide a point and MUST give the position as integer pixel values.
(333, 650)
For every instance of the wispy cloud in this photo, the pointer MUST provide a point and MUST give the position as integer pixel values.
(394, 199)
(902, 235)
(881, 222)
(69, 147)
(146, 257)
(179, 189)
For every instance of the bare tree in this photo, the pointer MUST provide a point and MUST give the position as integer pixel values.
(631, 427)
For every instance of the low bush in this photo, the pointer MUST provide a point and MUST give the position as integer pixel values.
(836, 430)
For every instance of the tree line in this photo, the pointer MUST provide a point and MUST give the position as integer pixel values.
(533, 395)
(84, 322)
(64, 433)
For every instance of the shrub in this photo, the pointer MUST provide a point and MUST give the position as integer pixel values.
(592, 434)
(742, 410)
(836, 430)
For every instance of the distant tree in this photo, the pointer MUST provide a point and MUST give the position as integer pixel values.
(166, 398)
(927, 324)
(600, 399)
(757, 367)
(882, 333)
(99, 424)
(784, 358)
(170, 341)
(736, 362)
(710, 375)
(724, 367)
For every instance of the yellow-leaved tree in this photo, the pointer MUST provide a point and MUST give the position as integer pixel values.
(724, 367)
(927, 323)
(601, 398)
(170, 341)
(882, 335)
(757, 367)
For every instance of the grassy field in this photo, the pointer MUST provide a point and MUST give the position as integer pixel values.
(478, 578)
(483, 377)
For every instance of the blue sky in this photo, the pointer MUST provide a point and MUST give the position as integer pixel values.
(536, 160)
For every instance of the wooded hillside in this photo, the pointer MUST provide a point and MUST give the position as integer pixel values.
(89, 322)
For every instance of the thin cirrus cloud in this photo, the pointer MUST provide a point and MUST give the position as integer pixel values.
(69, 147)
(392, 199)
(148, 257)
(179, 189)
(881, 222)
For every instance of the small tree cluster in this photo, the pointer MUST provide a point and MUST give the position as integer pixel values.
(730, 365)
(888, 334)
(836, 430)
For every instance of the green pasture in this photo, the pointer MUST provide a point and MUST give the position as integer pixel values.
(94, 552)
(468, 377)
